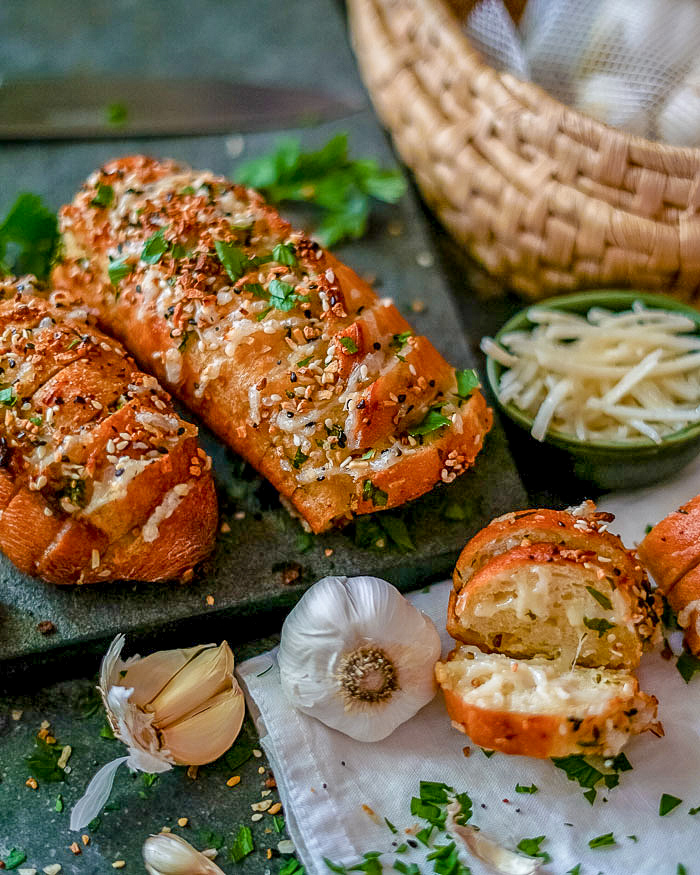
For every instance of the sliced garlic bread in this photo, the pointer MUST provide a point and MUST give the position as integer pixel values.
(535, 707)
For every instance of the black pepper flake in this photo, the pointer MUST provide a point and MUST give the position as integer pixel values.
(412, 843)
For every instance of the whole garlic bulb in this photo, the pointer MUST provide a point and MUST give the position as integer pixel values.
(678, 121)
(358, 656)
(174, 707)
(168, 854)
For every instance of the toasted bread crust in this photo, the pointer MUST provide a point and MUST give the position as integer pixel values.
(304, 383)
(96, 468)
(672, 548)
(548, 735)
(540, 525)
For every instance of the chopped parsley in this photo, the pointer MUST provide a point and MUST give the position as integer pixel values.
(575, 870)
(598, 625)
(14, 859)
(292, 867)
(210, 839)
(75, 342)
(116, 114)
(602, 599)
(467, 381)
(431, 422)
(118, 269)
(373, 493)
(305, 541)
(29, 238)
(604, 841)
(694, 810)
(155, 247)
(242, 845)
(398, 341)
(390, 826)
(43, 762)
(302, 363)
(327, 178)
(107, 731)
(299, 458)
(234, 260)
(8, 397)
(278, 823)
(397, 530)
(58, 806)
(523, 788)
(104, 196)
(687, 665)
(283, 253)
(667, 803)
(586, 775)
(283, 296)
(531, 847)
(349, 344)
(487, 753)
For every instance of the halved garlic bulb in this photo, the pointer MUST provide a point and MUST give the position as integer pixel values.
(355, 654)
(168, 854)
(174, 707)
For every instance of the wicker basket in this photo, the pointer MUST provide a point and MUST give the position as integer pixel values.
(546, 198)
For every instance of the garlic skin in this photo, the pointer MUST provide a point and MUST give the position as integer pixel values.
(174, 707)
(356, 655)
(168, 854)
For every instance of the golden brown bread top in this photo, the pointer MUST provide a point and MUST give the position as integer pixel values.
(672, 548)
(94, 463)
(286, 353)
(584, 529)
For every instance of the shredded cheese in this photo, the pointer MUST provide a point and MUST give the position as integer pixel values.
(606, 376)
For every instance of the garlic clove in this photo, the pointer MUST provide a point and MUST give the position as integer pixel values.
(206, 735)
(356, 655)
(168, 854)
(205, 675)
(498, 858)
(148, 676)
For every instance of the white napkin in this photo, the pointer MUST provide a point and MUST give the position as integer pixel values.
(336, 792)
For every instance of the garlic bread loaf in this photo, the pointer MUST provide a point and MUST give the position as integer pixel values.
(536, 707)
(671, 554)
(552, 613)
(99, 477)
(282, 350)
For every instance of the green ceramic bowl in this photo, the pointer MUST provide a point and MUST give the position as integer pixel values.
(606, 464)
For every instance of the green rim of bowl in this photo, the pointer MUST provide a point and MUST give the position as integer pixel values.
(616, 300)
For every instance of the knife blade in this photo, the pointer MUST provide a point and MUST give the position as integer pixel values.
(120, 107)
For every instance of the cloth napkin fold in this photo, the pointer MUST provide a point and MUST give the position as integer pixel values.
(337, 792)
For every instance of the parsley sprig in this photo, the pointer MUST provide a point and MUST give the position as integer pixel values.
(342, 188)
(578, 768)
(28, 238)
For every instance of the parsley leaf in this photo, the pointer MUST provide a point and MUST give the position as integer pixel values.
(118, 269)
(242, 845)
(598, 625)
(687, 665)
(116, 114)
(349, 344)
(667, 803)
(234, 260)
(694, 810)
(432, 422)
(282, 295)
(681, 870)
(467, 381)
(373, 493)
(14, 859)
(155, 247)
(292, 867)
(523, 788)
(578, 769)
(575, 870)
(210, 839)
(283, 253)
(602, 599)
(43, 763)
(340, 187)
(396, 529)
(334, 867)
(604, 841)
(531, 847)
(299, 458)
(29, 238)
(104, 196)
(487, 753)
(8, 397)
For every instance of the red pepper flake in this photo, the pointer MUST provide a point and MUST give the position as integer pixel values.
(46, 627)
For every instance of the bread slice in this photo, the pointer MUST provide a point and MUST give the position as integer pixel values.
(538, 708)
(554, 602)
(672, 548)
(286, 354)
(100, 479)
(553, 613)
(581, 528)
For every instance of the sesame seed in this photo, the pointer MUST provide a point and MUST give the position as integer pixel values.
(117, 864)
(95, 559)
(256, 817)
